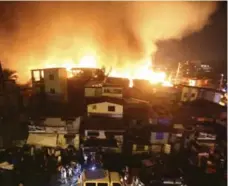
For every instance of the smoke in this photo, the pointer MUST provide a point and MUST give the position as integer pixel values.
(121, 33)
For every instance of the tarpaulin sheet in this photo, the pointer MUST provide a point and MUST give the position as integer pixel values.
(49, 140)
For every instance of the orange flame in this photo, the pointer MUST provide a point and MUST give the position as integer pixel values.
(143, 70)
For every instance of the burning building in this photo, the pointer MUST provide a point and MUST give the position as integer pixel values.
(51, 81)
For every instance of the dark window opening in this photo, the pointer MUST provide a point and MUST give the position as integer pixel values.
(51, 77)
(111, 108)
(113, 90)
(102, 184)
(193, 95)
(90, 184)
(94, 134)
(106, 90)
(140, 147)
(94, 107)
(113, 133)
(159, 136)
(52, 90)
(116, 184)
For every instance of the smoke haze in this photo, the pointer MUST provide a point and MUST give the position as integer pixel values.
(33, 34)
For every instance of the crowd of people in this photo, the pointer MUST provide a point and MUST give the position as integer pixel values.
(37, 166)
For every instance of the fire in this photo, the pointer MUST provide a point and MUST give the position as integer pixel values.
(88, 62)
(143, 70)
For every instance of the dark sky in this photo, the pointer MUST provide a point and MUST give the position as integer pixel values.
(210, 44)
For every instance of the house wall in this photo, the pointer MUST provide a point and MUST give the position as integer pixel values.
(93, 92)
(103, 108)
(101, 134)
(217, 98)
(103, 91)
(112, 92)
(209, 95)
(189, 94)
(58, 83)
(185, 94)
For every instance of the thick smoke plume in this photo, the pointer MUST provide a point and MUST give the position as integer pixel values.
(120, 33)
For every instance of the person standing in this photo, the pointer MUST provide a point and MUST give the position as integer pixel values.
(70, 171)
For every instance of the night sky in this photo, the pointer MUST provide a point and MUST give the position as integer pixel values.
(210, 44)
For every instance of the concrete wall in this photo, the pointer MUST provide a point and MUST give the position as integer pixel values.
(102, 108)
(189, 94)
(58, 83)
(112, 92)
(101, 134)
(93, 92)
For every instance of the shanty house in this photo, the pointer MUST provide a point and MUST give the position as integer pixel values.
(193, 93)
(99, 89)
(55, 132)
(104, 129)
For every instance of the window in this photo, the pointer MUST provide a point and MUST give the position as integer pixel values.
(52, 90)
(113, 90)
(116, 184)
(106, 90)
(51, 77)
(93, 133)
(90, 184)
(102, 184)
(140, 147)
(94, 107)
(193, 95)
(113, 133)
(111, 108)
(117, 91)
(159, 135)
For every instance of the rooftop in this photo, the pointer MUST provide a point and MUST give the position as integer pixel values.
(102, 84)
(203, 88)
(54, 68)
(105, 99)
(96, 174)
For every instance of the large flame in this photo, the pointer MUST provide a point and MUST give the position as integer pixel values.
(143, 70)
(74, 34)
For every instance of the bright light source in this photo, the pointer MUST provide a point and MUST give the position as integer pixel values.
(93, 168)
(192, 82)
